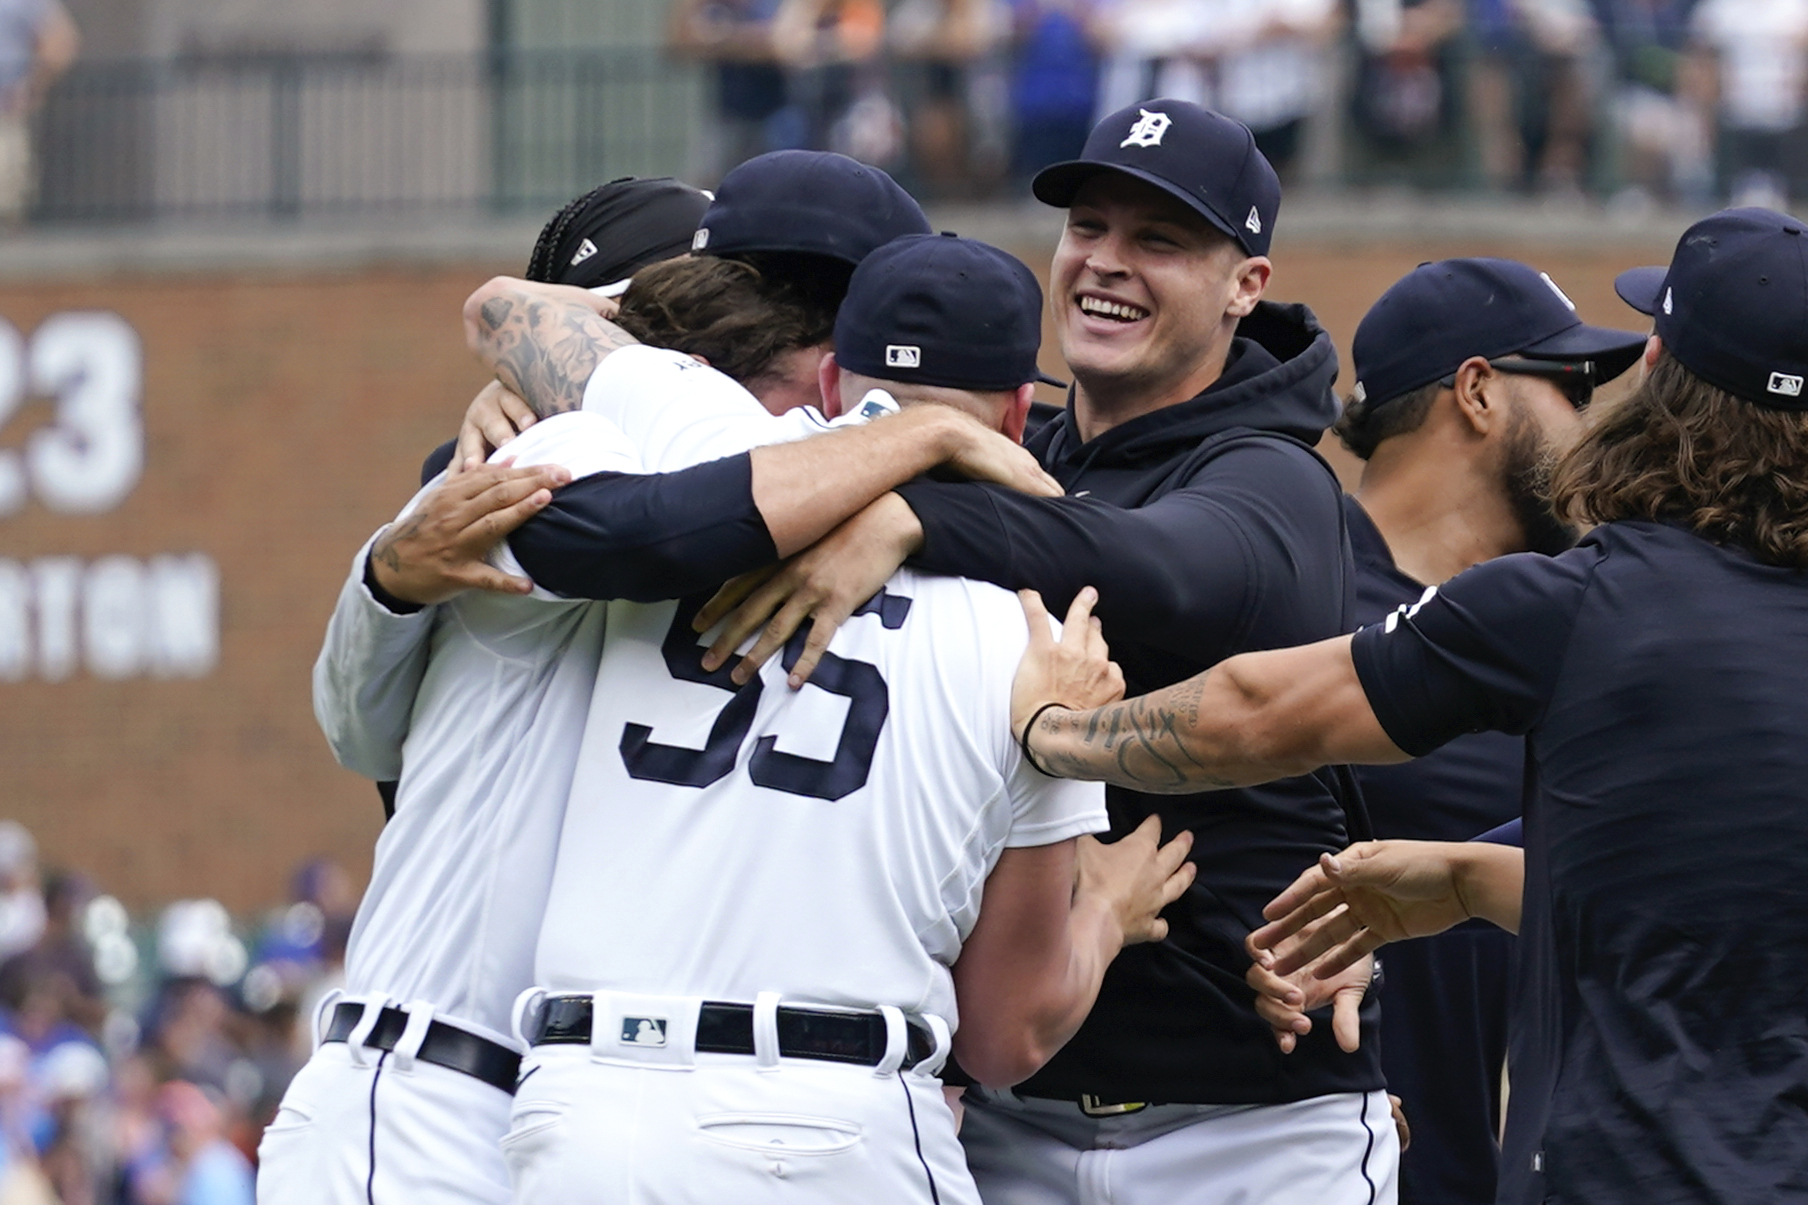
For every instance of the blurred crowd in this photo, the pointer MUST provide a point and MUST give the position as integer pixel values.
(140, 1067)
(1688, 101)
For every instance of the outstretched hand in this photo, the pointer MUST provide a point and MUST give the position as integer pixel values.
(1075, 672)
(1350, 905)
(1283, 1002)
(1137, 877)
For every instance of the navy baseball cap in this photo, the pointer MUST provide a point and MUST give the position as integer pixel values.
(1732, 306)
(816, 202)
(1440, 314)
(615, 229)
(1189, 152)
(941, 310)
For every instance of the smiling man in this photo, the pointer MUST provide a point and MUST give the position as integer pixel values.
(1198, 508)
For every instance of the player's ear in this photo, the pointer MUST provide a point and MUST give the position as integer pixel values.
(1017, 412)
(828, 381)
(1475, 380)
(703, 360)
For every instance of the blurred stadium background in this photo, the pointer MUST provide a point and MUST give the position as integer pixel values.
(230, 280)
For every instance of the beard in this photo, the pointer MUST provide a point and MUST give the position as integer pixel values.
(1528, 460)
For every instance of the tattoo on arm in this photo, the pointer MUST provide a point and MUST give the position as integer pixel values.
(546, 350)
(1140, 743)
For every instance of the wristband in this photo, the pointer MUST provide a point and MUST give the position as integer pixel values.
(1023, 742)
(388, 601)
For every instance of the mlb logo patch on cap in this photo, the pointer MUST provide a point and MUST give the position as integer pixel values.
(899, 355)
(1785, 384)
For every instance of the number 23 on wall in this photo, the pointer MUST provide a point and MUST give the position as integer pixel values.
(92, 454)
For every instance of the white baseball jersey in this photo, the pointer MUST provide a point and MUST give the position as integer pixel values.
(477, 706)
(459, 878)
(830, 844)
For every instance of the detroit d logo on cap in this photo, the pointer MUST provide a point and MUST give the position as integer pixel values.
(1148, 129)
(899, 355)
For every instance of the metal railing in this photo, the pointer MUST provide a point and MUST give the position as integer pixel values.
(286, 136)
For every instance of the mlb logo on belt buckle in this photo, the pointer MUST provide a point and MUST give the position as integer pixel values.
(643, 1031)
(1093, 1107)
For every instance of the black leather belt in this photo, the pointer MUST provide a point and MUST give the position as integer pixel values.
(444, 1046)
(803, 1033)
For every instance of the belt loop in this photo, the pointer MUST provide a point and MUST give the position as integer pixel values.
(373, 1012)
(527, 1005)
(897, 1039)
(602, 1040)
(944, 1042)
(420, 1016)
(765, 1031)
(323, 1014)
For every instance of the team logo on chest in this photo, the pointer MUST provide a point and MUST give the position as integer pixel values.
(1148, 129)
(643, 1031)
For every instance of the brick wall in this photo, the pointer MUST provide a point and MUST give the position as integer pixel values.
(283, 419)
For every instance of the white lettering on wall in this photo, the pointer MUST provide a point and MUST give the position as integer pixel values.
(116, 616)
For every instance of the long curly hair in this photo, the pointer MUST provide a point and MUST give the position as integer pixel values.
(728, 312)
(1684, 451)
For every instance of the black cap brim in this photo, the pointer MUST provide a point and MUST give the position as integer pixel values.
(1640, 287)
(1612, 351)
(1042, 378)
(1058, 184)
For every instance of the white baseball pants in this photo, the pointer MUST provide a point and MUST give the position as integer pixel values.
(383, 1130)
(612, 1123)
(1329, 1150)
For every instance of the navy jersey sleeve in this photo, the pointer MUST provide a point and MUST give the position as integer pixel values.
(1189, 572)
(437, 461)
(1480, 653)
(648, 537)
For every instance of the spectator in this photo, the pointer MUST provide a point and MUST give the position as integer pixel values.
(196, 1164)
(1269, 56)
(1401, 102)
(1054, 82)
(38, 41)
(1758, 52)
(1664, 138)
(21, 900)
(955, 98)
(60, 963)
(752, 114)
(75, 1148)
(831, 50)
(1530, 95)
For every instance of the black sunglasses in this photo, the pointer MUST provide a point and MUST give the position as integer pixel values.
(1575, 378)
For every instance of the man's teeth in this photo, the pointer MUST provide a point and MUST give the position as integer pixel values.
(1112, 309)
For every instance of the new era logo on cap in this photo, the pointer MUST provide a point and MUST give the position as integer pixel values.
(901, 355)
(585, 250)
(700, 240)
(1785, 384)
(1253, 223)
(1148, 129)
(1669, 303)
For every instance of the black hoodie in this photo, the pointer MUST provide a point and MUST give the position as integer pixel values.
(1210, 528)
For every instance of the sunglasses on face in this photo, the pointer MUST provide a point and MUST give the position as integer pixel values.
(1575, 379)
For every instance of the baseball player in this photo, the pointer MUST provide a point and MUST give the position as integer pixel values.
(768, 895)
(1198, 509)
(1470, 373)
(1657, 671)
(801, 220)
(410, 1091)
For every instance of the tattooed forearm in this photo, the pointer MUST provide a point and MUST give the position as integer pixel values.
(1153, 743)
(544, 348)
